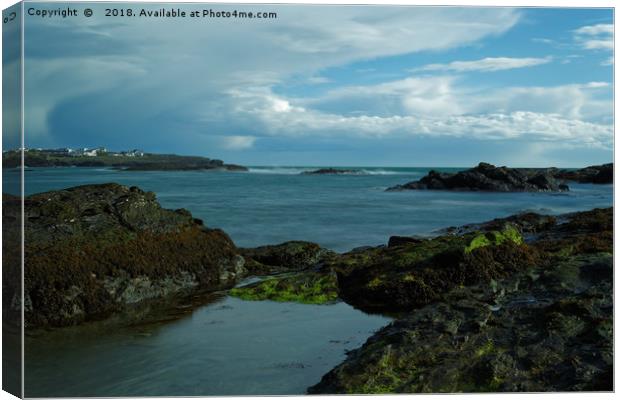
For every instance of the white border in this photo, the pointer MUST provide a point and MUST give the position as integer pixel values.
(506, 3)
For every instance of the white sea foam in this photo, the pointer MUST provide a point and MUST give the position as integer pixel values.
(380, 172)
(299, 170)
(279, 170)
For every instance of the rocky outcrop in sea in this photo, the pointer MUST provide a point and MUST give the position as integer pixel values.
(603, 174)
(94, 250)
(334, 171)
(489, 178)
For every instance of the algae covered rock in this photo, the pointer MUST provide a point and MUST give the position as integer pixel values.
(402, 240)
(416, 273)
(520, 334)
(578, 233)
(495, 238)
(542, 325)
(91, 250)
(301, 277)
(288, 256)
(304, 287)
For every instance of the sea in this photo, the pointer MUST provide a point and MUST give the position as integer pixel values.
(227, 346)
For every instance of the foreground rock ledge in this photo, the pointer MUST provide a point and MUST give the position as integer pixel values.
(534, 320)
(93, 250)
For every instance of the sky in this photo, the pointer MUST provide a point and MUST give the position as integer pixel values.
(328, 85)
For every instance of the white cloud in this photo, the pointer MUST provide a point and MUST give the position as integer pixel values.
(488, 64)
(572, 101)
(371, 32)
(598, 44)
(595, 37)
(595, 85)
(184, 66)
(529, 125)
(446, 95)
(439, 107)
(185, 61)
(430, 95)
(237, 142)
(593, 30)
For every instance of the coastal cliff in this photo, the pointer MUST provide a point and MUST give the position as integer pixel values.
(144, 162)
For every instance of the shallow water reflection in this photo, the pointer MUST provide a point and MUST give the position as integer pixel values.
(228, 347)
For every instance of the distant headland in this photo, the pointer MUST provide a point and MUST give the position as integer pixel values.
(130, 160)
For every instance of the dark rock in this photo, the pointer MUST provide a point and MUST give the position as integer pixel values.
(529, 223)
(413, 274)
(401, 240)
(334, 171)
(603, 174)
(558, 340)
(513, 325)
(365, 248)
(302, 278)
(487, 177)
(580, 233)
(235, 167)
(288, 256)
(91, 250)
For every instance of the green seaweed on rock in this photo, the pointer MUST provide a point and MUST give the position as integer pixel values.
(304, 287)
(507, 317)
(495, 238)
(411, 275)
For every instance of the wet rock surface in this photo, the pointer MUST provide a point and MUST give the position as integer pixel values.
(396, 278)
(309, 287)
(288, 256)
(522, 303)
(487, 177)
(539, 320)
(296, 270)
(532, 332)
(91, 250)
